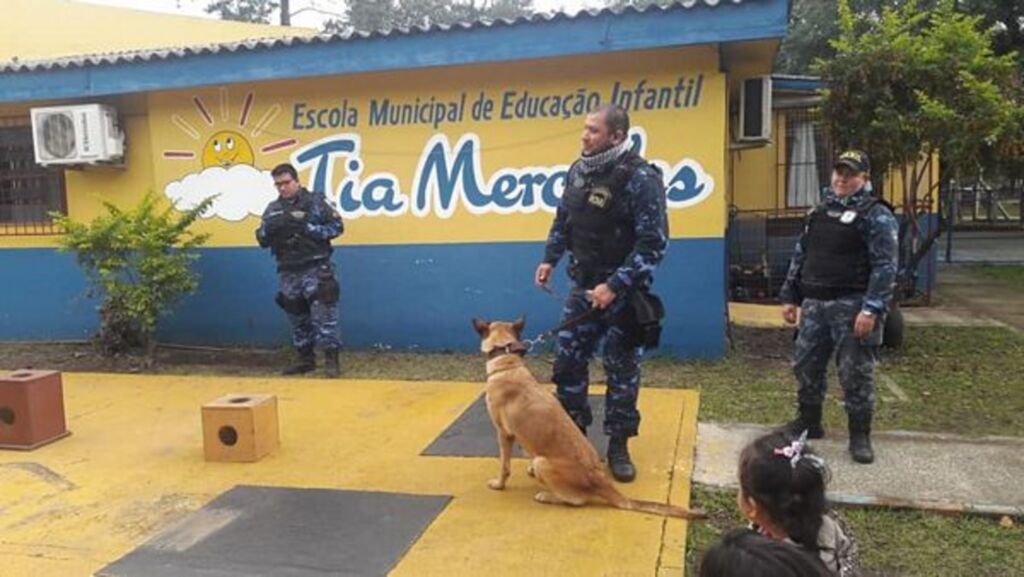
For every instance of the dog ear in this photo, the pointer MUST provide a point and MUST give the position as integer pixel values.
(481, 326)
(519, 325)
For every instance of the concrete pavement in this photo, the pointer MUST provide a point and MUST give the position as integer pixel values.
(926, 471)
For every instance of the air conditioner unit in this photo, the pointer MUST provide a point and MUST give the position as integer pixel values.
(77, 134)
(756, 109)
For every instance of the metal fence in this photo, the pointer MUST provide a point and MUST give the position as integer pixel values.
(980, 206)
(760, 244)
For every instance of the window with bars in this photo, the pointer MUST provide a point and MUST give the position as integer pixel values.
(28, 192)
(808, 165)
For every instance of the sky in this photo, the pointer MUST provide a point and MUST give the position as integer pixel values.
(307, 15)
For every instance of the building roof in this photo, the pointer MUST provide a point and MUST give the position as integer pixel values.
(55, 30)
(687, 22)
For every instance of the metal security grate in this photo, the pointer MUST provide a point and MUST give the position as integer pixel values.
(28, 192)
(760, 244)
(807, 167)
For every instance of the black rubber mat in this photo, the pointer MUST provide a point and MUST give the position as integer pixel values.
(286, 532)
(472, 434)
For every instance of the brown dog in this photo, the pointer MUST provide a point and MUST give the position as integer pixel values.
(522, 411)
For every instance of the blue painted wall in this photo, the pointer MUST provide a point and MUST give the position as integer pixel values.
(400, 297)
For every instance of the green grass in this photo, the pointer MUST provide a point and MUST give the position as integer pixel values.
(892, 543)
(963, 380)
(1010, 276)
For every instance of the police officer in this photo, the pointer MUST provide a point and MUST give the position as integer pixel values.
(612, 221)
(298, 228)
(841, 279)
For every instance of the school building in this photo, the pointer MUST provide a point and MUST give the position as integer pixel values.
(445, 149)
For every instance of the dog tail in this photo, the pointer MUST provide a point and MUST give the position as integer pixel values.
(613, 497)
(663, 509)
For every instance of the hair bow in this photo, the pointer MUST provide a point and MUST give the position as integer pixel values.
(793, 451)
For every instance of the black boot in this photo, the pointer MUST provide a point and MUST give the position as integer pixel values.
(619, 461)
(331, 366)
(808, 418)
(306, 364)
(860, 438)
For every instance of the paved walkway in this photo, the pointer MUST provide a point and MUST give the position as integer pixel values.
(977, 247)
(935, 472)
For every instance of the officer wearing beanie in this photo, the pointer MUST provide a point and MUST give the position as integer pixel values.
(841, 280)
(298, 227)
(612, 221)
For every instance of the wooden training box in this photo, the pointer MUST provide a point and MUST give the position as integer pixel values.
(31, 409)
(240, 427)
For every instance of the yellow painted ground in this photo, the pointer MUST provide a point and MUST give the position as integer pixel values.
(134, 463)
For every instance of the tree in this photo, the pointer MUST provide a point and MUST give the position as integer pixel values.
(138, 262)
(258, 11)
(908, 84)
(371, 15)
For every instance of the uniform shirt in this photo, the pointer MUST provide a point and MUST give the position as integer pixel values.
(881, 235)
(646, 193)
(322, 223)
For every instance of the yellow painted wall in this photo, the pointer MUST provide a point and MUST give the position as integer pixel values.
(179, 127)
(161, 125)
(44, 29)
(752, 165)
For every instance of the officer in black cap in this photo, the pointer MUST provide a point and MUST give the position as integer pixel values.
(841, 280)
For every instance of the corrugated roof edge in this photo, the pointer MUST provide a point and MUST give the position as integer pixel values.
(268, 43)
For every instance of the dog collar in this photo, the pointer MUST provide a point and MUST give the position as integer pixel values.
(516, 348)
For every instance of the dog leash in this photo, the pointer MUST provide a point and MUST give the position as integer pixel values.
(539, 339)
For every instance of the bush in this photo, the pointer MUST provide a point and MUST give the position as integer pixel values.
(138, 263)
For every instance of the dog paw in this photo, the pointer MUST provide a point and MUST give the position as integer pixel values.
(546, 497)
(496, 484)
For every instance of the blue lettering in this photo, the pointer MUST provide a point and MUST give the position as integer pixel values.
(323, 152)
(684, 185)
(297, 114)
(387, 200)
(503, 193)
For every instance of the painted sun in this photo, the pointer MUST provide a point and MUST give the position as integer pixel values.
(227, 147)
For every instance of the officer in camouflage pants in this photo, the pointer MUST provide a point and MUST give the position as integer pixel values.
(298, 228)
(612, 221)
(841, 279)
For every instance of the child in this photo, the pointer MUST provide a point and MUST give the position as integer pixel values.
(782, 493)
(745, 553)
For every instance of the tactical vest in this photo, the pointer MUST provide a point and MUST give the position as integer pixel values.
(836, 255)
(599, 221)
(300, 251)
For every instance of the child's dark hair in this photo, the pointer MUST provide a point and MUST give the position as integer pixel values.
(790, 487)
(744, 553)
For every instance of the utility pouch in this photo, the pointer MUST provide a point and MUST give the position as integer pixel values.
(648, 312)
(327, 289)
(296, 306)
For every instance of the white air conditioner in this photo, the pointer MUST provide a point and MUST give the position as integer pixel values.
(756, 109)
(77, 134)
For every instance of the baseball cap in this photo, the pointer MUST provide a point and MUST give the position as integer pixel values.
(853, 159)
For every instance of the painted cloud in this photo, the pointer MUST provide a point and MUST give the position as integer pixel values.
(240, 190)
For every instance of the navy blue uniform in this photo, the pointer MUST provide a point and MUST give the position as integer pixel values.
(298, 232)
(613, 224)
(844, 263)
